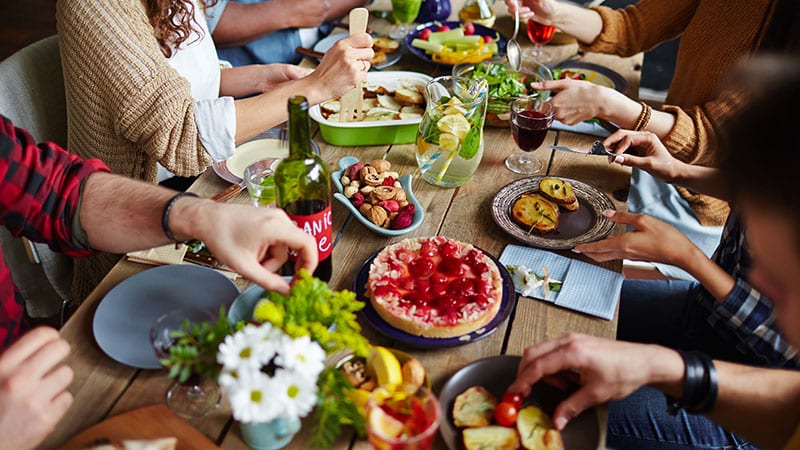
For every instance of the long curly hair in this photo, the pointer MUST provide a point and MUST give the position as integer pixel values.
(173, 21)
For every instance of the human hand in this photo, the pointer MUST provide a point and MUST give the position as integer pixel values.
(33, 388)
(304, 13)
(578, 100)
(344, 65)
(605, 370)
(255, 242)
(650, 240)
(273, 75)
(543, 11)
(643, 150)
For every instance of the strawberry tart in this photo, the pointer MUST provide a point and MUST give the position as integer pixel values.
(435, 287)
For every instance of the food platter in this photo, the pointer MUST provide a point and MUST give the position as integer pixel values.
(496, 374)
(595, 73)
(323, 45)
(509, 300)
(587, 224)
(479, 30)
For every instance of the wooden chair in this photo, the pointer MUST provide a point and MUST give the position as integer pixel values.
(33, 98)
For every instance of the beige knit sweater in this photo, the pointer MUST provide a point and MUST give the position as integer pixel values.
(125, 104)
(714, 36)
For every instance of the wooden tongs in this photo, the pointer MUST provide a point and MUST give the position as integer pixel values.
(351, 102)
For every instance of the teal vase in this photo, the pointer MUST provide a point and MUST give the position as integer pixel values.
(270, 435)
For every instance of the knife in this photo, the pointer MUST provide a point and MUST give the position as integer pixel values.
(228, 193)
(308, 52)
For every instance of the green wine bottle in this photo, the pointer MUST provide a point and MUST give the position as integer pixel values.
(303, 188)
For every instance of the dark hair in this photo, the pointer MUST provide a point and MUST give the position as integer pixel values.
(761, 142)
(172, 21)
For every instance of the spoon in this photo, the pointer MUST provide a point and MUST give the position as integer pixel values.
(513, 52)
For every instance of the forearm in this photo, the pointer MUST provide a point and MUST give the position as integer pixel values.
(582, 23)
(759, 404)
(241, 81)
(708, 273)
(242, 23)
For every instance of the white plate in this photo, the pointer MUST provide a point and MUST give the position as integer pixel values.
(123, 318)
(325, 44)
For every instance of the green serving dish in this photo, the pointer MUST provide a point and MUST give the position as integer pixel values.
(349, 134)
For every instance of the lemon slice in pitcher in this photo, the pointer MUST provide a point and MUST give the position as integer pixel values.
(454, 124)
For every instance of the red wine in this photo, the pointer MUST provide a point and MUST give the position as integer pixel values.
(529, 129)
(303, 188)
(539, 33)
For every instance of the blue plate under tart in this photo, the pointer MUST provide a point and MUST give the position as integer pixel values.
(508, 301)
(479, 30)
(405, 182)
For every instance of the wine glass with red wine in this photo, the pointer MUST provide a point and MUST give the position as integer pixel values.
(530, 121)
(540, 34)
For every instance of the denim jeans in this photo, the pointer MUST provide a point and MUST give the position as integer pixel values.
(666, 313)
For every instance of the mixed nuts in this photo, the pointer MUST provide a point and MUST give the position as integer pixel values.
(374, 189)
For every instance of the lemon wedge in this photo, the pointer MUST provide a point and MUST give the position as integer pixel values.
(360, 397)
(383, 424)
(448, 142)
(382, 362)
(454, 124)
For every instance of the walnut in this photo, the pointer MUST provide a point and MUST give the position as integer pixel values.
(400, 196)
(381, 165)
(377, 215)
(364, 208)
(372, 179)
(380, 193)
(355, 372)
(366, 171)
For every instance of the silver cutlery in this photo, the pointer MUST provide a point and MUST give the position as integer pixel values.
(597, 149)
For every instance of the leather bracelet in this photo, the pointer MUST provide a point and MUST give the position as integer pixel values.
(644, 117)
(700, 385)
(167, 211)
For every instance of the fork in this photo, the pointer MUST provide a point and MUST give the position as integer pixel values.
(597, 149)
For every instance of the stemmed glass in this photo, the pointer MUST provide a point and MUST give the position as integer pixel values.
(404, 12)
(530, 119)
(540, 34)
(197, 395)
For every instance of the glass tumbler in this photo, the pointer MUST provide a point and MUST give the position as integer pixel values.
(260, 180)
(402, 420)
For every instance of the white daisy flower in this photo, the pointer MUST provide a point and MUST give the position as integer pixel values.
(253, 401)
(296, 394)
(302, 356)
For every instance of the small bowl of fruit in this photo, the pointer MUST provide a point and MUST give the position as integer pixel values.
(505, 84)
(449, 43)
(379, 197)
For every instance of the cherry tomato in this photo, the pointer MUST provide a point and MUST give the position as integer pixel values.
(443, 28)
(425, 34)
(488, 39)
(505, 414)
(514, 399)
(469, 29)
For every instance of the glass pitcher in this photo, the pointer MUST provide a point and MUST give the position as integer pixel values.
(450, 137)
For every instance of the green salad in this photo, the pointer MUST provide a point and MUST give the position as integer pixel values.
(504, 85)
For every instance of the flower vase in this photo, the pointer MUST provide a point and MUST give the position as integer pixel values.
(270, 435)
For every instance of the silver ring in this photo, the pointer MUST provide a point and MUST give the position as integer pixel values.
(326, 6)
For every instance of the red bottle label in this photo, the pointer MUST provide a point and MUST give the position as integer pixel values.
(319, 225)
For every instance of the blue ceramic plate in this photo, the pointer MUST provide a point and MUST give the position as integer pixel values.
(243, 306)
(123, 318)
(479, 30)
(495, 374)
(372, 317)
(595, 73)
(405, 182)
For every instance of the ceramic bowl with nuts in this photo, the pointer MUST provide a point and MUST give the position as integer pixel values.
(378, 197)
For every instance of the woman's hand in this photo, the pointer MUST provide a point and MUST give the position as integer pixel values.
(604, 369)
(650, 240)
(273, 75)
(578, 100)
(543, 11)
(645, 151)
(343, 66)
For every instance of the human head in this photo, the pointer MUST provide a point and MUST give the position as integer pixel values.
(761, 164)
(172, 21)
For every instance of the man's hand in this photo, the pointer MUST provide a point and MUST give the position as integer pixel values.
(650, 240)
(33, 388)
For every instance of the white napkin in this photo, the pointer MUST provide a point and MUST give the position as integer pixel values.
(585, 287)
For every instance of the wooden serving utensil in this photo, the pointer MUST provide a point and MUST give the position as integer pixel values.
(350, 103)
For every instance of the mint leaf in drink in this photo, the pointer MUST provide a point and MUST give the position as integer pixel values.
(471, 144)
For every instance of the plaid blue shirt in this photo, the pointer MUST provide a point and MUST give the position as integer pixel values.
(745, 314)
(39, 190)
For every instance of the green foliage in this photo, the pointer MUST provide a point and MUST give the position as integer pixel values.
(194, 350)
(334, 408)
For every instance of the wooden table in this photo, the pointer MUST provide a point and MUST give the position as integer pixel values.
(104, 388)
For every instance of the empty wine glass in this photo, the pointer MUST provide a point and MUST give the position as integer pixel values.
(404, 12)
(530, 120)
(197, 395)
(540, 34)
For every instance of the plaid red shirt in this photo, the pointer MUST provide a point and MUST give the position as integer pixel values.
(39, 191)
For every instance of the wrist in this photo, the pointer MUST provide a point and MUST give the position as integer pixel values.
(700, 385)
(183, 219)
(667, 371)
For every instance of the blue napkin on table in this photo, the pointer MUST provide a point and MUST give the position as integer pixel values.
(585, 287)
(590, 128)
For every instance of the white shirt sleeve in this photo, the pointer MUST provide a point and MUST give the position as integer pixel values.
(216, 124)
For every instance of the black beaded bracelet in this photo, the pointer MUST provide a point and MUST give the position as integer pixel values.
(167, 211)
(700, 385)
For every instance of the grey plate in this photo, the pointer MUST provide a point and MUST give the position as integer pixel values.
(587, 224)
(323, 45)
(123, 318)
(496, 374)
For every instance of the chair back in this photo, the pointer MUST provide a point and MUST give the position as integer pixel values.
(32, 96)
